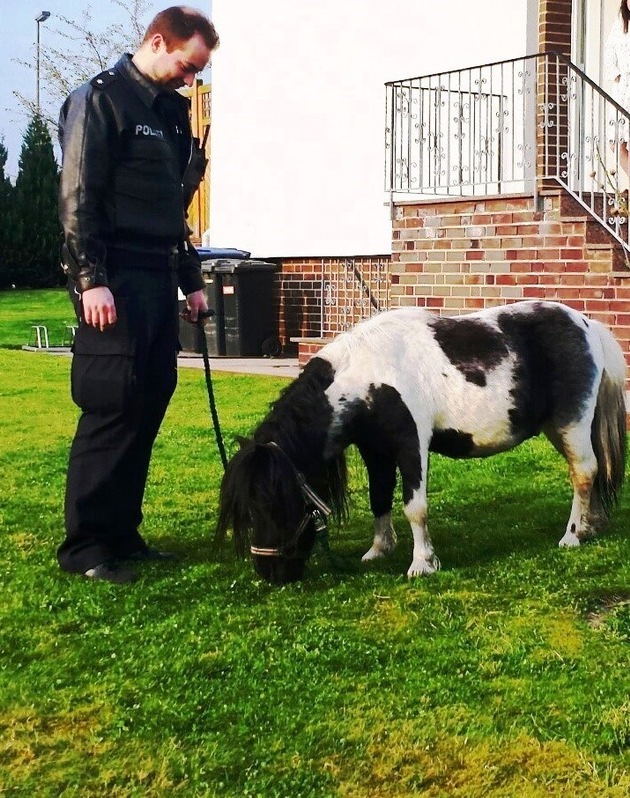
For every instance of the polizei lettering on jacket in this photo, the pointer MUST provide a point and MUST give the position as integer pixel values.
(146, 130)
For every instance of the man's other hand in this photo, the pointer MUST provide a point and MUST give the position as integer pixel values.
(195, 303)
(99, 309)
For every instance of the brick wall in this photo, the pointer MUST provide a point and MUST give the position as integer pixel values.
(554, 26)
(299, 290)
(554, 35)
(355, 287)
(457, 256)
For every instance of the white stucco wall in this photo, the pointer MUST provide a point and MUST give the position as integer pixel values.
(298, 111)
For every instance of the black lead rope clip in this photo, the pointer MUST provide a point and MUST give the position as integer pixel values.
(319, 521)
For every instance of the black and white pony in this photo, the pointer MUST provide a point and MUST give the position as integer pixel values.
(406, 383)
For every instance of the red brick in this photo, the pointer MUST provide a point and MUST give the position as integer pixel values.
(553, 267)
(549, 254)
(571, 254)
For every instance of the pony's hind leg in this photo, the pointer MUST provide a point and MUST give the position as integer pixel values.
(382, 478)
(574, 443)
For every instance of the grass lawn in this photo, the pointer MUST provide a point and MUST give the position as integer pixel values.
(19, 310)
(505, 674)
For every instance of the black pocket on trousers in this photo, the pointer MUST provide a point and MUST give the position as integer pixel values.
(103, 383)
(116, 340)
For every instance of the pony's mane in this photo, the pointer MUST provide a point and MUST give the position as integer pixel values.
(298, 421)
(298, 407)
(261, 477)
(257, 479)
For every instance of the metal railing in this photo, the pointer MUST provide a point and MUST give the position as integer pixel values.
(352, 289)
(507, 127)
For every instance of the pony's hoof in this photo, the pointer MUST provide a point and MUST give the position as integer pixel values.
(569, 541)
(373, 554)
(423, 567)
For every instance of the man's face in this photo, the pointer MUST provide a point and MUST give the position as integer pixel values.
(179, 67)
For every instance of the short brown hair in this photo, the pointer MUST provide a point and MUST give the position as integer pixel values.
(178, 24)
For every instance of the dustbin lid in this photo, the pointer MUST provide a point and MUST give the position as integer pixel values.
(209, 253)
(229, 266)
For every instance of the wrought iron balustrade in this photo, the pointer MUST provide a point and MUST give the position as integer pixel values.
(507, 127)
(353, 289)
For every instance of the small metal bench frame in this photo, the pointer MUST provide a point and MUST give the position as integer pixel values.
(40, 336)
(71, 331)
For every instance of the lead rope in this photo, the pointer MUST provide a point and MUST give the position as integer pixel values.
(203, 315)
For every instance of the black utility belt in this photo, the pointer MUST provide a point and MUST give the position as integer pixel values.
(149, 247)
(142, 257)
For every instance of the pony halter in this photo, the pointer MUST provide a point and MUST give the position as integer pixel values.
(316, 510)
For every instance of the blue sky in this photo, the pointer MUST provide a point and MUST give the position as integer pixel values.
(18, 34)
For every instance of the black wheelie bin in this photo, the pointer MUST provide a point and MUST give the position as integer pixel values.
(249, 313)
(190, 335)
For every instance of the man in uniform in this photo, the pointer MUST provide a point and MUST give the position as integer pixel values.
(128, 174)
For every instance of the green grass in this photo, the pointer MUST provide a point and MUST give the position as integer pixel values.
(19, 310)
(505, 674)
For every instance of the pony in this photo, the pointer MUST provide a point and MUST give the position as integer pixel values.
(406, 383)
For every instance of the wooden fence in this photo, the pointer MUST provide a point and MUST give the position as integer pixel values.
(199, 211)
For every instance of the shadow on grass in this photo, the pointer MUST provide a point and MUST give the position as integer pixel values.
(462, 539)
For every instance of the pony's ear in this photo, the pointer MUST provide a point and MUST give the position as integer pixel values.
(242, 441)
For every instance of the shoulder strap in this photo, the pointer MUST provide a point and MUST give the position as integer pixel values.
(104, 79)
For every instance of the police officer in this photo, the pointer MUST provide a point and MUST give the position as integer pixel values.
(126, 179)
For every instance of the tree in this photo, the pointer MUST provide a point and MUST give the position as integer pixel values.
(7, 224)
(74, 52)
(36, 223)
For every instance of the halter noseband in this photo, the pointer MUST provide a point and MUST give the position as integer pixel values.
(316, 510)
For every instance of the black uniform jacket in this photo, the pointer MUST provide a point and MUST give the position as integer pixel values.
(126, 144)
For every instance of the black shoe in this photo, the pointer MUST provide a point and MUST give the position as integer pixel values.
(151, 555)
(108, 572)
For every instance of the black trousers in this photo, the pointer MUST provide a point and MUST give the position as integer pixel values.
(122, 379)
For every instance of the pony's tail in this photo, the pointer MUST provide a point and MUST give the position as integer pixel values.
(608, 430)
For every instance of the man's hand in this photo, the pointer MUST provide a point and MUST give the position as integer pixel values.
(195, 303)
(99, 309)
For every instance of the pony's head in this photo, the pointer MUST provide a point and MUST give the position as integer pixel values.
(274, 514)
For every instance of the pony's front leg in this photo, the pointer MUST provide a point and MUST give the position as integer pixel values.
(424, 560)
(382, 481)
(384, 538)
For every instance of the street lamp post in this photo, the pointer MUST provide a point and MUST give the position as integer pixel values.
(42, 17)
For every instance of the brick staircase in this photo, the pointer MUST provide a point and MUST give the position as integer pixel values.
(597, 239)
(456, 256)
